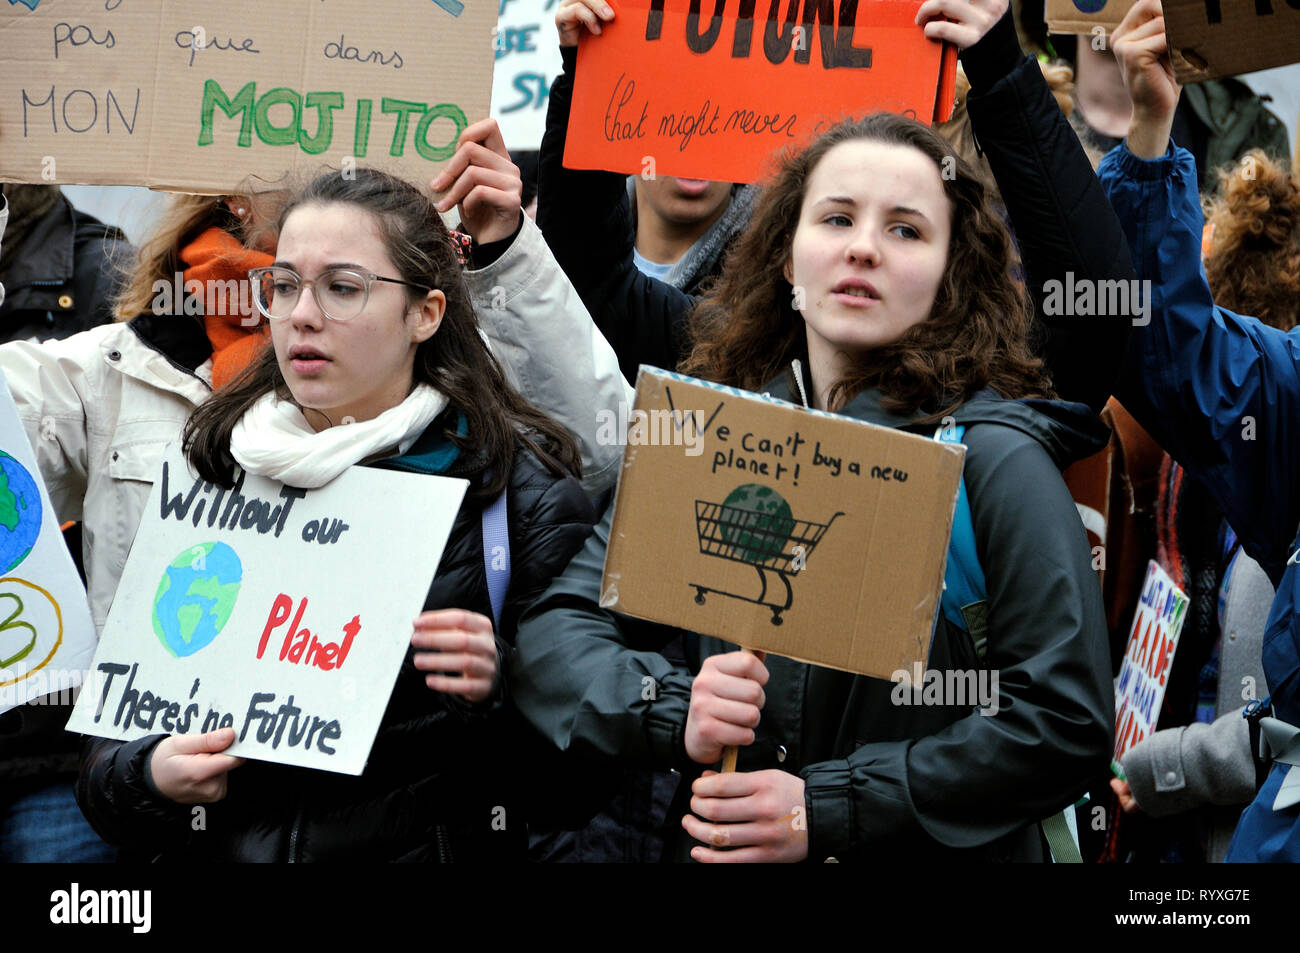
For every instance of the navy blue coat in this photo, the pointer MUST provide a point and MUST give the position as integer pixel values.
(1221, 393)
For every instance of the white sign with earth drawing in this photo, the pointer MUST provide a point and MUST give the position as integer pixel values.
(280, 612)
(46, 633)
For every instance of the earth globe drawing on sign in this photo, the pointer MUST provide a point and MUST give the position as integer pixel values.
(761, 528)
(195, 597)
(20, 513)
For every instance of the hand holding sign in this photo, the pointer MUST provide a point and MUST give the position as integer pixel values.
(460, 647)
(484, 183)
(190, 769)
(761, 813)
(726, 703)
(1127, 802)
(962, 23)
(571, 13)
(1142, 49)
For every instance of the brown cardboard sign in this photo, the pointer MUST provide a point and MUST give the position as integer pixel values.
(201, 96)
(814, 536)
(1213, 38)
(1084, 16)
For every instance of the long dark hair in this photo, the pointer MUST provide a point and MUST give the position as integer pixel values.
(455, 361)
(745, 331)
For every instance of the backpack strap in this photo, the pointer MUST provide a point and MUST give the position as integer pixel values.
(496, 555)
(965, 593)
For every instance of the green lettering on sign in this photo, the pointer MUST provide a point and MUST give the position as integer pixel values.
(325, 103)
(277, 135)
(214, 97)
(403, 108)
(440, 111)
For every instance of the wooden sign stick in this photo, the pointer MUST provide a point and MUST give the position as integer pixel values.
(731, 752)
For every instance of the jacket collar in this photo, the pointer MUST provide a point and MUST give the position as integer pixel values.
(162, 351)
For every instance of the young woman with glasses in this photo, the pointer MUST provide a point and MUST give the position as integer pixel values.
(408, 366)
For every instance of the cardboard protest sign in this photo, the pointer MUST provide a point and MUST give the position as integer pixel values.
(1140, 689)
(662, 91)
(527, 53)
(46, 633)
(1209, 39)
(280, 612)
(806, 534)
(1099, 17)
(199, 96)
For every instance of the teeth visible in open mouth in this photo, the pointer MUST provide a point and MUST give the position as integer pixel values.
(857, 292)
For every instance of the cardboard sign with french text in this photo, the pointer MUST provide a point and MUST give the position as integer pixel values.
(674, 87)
(811, 535)
(280, 612)
(224, 97)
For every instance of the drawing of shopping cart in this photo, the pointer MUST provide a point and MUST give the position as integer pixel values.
(776, 545)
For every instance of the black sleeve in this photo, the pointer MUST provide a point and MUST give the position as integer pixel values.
(1062, 222)
(117, 796)
(587, 220)
(553, 529)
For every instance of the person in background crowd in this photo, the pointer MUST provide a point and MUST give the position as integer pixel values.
(382, 364)
(912, 314)
(1198, 771)
(57, 265)
(1218, 390)
(1218, 121)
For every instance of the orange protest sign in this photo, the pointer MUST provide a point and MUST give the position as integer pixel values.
(665, 91)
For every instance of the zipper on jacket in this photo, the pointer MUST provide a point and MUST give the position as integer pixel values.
(293, 833)
(444, 849)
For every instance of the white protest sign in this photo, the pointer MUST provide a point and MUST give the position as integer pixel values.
(46, 633)
(527, 51)
(1144, 674)
(280, 612)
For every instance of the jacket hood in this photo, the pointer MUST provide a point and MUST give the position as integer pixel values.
(1067, 431)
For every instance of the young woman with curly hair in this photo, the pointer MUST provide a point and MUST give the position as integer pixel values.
(874, 280)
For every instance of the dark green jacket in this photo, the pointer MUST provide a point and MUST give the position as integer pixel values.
(882, 776)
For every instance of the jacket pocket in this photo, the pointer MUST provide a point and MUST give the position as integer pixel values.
(140, 461)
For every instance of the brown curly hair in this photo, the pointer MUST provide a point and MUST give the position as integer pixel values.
(745, 331)
(1252, 258)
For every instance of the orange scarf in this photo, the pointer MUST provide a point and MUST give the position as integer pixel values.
(217, 256)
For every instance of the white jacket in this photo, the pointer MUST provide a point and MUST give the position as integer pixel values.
(99, 407)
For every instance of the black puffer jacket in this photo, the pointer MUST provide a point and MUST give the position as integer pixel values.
(435, 786)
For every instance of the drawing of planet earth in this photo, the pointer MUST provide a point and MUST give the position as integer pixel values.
(765, 526)
(20, 513)
(1089, 6)
(195, 597)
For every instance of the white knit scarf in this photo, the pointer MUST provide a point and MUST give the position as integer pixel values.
(273, 438)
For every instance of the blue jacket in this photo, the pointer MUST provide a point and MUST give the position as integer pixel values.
(1221, 393)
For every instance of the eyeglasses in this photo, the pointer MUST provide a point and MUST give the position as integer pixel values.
(340, 293)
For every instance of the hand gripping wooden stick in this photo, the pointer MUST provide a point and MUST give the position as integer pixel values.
(731, 752)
